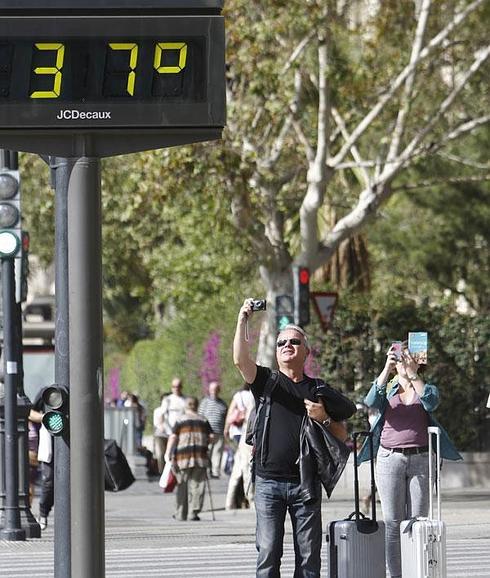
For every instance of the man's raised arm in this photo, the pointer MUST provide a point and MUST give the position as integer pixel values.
(241, 349)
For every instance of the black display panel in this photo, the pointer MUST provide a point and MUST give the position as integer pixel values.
(102, 70)
(91, 72)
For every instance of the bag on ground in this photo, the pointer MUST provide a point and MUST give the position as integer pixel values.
(117, 473)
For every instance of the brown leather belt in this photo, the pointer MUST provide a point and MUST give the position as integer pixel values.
(410, 451)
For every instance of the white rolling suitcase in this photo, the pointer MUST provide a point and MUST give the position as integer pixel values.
(423, 540)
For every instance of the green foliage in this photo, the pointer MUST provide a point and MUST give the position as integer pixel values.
(435, 241)
(180, 350)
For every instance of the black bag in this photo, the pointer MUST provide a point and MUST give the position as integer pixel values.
(117, 473)
(264, 400)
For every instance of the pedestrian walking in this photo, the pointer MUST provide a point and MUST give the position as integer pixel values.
(34, 425)
(173, 406)
(280, 487)
(160, 435)
(188, 450)
(133, 401)
(214, 409)
(240, 484)
(45, 457)
(400, 438)
(241, 489)
(240, 407)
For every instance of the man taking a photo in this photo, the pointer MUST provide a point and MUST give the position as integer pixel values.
(277, 476)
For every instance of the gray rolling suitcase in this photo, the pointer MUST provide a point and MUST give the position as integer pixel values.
(423, 540)
(357, 544)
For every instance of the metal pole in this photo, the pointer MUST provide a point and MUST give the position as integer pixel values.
(27, 520)
(12, 529)
(86, 384)
(62, 510)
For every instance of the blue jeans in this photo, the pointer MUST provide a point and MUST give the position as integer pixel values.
(403, 486)
(273, 498)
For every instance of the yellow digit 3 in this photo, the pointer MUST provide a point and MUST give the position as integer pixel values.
(54, 70)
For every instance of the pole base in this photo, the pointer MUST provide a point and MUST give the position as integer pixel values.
(14, 535)
(27, 521)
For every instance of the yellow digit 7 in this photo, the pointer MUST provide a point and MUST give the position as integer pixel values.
(55, 70)
(133, 60)
(159, 49)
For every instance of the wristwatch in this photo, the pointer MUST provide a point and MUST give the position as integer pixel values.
(326, 422)
(412, 377)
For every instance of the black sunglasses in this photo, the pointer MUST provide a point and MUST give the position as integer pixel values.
(292, 341)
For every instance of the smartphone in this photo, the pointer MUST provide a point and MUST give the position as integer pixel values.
(396, 349)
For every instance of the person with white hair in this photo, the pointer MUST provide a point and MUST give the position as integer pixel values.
(278, 488)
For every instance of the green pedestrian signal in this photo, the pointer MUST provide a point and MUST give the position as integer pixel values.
(54, 422)
(55, 400)
(283, 321)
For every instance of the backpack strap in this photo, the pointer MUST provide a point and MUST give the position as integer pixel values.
(266, 402)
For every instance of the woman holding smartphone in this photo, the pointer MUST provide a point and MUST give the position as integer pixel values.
(400, 440)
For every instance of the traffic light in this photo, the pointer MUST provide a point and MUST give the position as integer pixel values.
(301, 285)
(284, 311)
(56, 406)
(10, 225)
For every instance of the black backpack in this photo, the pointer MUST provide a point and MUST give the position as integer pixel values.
(264, 401)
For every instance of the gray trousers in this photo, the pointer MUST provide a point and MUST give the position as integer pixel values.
(191, 485)
(403, 486)
(215, 450)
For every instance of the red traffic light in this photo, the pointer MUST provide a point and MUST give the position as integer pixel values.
(304, 276)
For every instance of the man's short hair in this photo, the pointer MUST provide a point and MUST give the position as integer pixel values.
(299, 329)
(192, 403)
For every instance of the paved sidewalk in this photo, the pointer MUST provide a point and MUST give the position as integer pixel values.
(140, 529)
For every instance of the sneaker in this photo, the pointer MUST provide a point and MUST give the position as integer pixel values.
(43, 522)
(195, 518)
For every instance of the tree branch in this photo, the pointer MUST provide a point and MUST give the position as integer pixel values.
(359, 164)
(462, 161)
(406, 98)
(400, 79)
(297, 51)
(317, 171)
(391, 169)
(294, 107)
(447, 181)
(465, 127)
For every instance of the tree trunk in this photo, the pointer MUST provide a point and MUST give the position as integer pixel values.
(276, 282)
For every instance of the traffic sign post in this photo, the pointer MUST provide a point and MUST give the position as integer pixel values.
(324, 303)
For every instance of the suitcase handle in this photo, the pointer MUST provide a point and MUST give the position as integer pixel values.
(369, 435)
(433, 430)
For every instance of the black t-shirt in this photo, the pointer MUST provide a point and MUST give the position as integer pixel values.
(287, 411)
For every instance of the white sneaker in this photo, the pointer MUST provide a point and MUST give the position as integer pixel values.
(43, 522)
